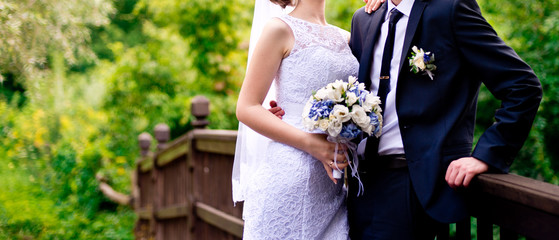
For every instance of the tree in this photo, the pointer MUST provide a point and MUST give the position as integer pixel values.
(31, 29)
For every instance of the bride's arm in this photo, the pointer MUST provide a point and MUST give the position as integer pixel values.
(274, 44)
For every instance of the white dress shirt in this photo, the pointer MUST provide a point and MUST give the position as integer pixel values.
(391, 139)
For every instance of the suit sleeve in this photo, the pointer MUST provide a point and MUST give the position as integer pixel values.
(356, 37)
(351, 33)
(508, 78)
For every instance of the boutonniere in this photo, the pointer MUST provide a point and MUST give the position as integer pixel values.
(421, 61)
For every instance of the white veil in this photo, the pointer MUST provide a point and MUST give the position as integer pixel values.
(251, 146)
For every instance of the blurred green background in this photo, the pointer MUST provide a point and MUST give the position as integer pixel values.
(81, 79)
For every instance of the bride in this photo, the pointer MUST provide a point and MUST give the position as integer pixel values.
(287, 183)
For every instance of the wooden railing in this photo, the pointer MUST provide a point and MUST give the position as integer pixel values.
(183, 191)
(185, 186)
(510, 206)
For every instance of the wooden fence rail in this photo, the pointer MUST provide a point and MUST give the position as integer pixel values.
(183, 191)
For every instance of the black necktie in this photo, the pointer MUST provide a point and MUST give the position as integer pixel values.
(384, 81)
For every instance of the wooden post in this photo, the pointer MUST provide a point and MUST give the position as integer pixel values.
(144, 141)
(443, 232)
(143, 231)
(463, 229)
(191, 199)
(162, 135)
(507, 234)
(484, 229)
(200, 109)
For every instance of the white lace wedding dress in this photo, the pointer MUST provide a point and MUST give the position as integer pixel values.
(290, 194)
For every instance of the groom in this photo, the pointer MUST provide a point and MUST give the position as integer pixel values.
(414, 173)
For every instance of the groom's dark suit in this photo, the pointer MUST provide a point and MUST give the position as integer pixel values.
(437, 117)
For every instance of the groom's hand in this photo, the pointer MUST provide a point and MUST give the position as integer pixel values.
(276, 110)
(461, 172)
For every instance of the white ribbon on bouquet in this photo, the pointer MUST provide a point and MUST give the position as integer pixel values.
(353, 163)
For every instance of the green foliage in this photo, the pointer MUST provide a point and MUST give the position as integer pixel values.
(339, 13)
(213, 31)
(51, 151)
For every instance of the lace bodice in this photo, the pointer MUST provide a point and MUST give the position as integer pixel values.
(320, 55)
(290, 195)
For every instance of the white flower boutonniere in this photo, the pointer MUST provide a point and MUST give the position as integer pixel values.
(421, 61)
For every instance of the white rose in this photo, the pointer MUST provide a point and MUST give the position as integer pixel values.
(321, 94)
(337, 90)
(418, 61)
(377, 109)
(369, 129)
(307, 108)
(345, 86)
(351, 79)
(361, 87)
(415, 49)
(351, 98)
(323, 124)
(371, 101)
(338, 84)
(340, 113)
(309, 123)
(360, 117)
(334, 95)
(335, 129)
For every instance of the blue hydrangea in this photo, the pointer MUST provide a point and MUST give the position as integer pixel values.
(375, 122)
(350, 131)
(325, 108)
(321, 109)
(354, 89)
(313, 112)
(362, 97)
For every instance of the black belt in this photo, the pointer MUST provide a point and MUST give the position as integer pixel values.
(394, 161)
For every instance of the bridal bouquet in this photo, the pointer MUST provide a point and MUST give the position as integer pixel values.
(344, 110)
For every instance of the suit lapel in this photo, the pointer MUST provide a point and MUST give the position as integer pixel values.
(413, 22)
(372, 35)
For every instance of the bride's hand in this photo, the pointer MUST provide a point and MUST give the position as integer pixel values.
(324, 151)
(372, 5)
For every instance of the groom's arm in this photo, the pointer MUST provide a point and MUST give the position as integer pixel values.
(508, 78)
(276, 110)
